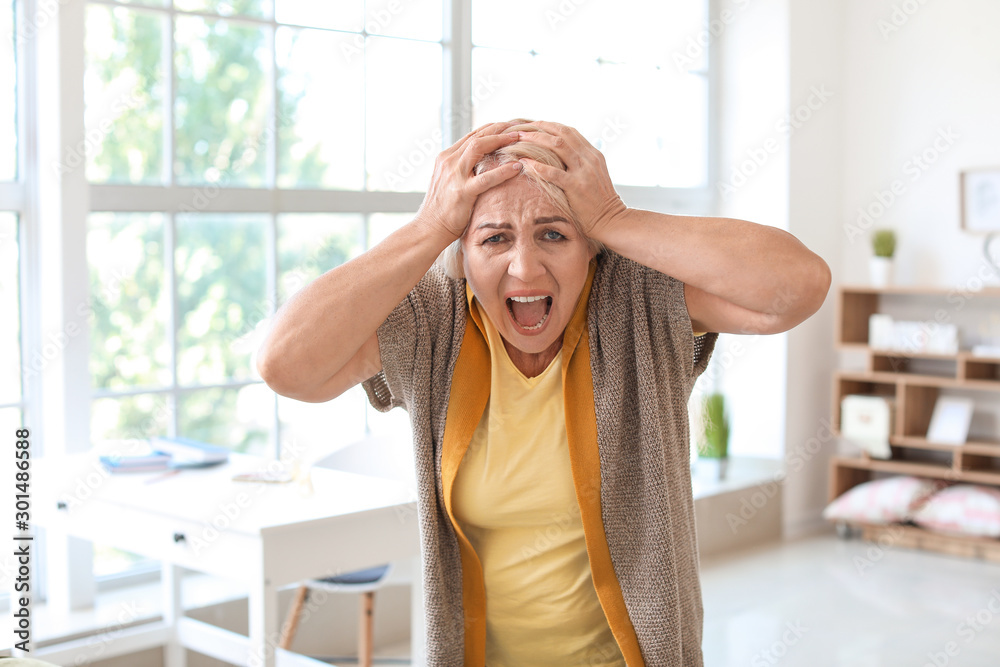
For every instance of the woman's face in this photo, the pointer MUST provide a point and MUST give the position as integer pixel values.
(526, 263)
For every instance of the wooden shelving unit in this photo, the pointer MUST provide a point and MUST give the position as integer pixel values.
(915, 380)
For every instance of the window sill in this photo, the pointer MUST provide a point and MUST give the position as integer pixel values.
(743, 472)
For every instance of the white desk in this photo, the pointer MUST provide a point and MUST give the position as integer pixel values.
(268, 536)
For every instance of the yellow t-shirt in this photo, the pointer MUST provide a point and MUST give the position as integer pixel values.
(515, 500)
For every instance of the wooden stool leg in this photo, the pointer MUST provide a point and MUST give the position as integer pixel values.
(366, 631)
(292, 620)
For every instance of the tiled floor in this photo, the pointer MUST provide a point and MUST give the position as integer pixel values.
(823, 602)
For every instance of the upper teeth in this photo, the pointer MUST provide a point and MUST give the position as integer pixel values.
(527, 299)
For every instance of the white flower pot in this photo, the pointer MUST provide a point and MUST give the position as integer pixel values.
(881, 270)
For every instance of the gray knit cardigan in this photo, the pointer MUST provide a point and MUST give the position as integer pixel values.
(644, 361)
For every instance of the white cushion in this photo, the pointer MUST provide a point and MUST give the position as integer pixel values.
(963, 509)
(881, 501)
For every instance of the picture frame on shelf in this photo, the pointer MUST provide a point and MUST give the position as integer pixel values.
(950, 420)
(980, 200)
(866, 420)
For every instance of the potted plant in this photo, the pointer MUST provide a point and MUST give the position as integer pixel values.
(713, 436)
(881, 263)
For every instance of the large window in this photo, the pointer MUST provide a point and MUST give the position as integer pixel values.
(199, 98)
(11, 214)
(234, 151)
(275, 135)
(609, 69)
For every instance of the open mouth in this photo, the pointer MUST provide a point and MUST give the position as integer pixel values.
(529, 312)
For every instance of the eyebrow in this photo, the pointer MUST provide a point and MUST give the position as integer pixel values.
(538, 221)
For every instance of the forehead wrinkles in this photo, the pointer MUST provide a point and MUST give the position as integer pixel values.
(513, 206)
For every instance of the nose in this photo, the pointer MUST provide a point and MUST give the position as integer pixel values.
(526, 263)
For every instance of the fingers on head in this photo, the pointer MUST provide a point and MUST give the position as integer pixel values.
(496, 176)
(485, 145)
(492, 128)
(545, 172)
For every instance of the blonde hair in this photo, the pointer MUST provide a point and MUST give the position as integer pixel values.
(451, 258)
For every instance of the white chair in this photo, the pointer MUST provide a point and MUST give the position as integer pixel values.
(384, 457)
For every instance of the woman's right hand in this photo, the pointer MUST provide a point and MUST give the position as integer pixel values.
(447, 206)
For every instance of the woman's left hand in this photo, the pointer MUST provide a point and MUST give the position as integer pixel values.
(585, 181)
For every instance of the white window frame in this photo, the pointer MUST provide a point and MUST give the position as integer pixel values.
(55, 207)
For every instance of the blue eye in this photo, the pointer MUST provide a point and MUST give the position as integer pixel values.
(496, 238)
(553, 235)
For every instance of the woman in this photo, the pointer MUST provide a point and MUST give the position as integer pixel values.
(546, 363)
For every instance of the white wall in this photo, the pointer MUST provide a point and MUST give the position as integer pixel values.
(910, 78)
(814, 194)
(916, 98)
(753, 185)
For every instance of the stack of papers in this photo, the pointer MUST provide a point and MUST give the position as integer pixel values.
(169, 452)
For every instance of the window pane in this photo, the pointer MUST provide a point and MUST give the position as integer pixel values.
(413, 19)
(239, 418)
(110, 560)
(309, 431)
(520, 88)
(661, 136)
(10, 306)
(222, 102)
(8, 95)
(311, 244)
(623, 31)
(321, 82)
(129, 299)
(128, 421)
(627, 85)
(380, 225)
(341, 15)
(259, 8)
(515, 24)
(123, 88)
(221, 292)
(404, 81)
(11, 420)
(630, 112)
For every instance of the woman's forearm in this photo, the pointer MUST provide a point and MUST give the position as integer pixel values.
(330, 326)
(320, 329)
(749, 265)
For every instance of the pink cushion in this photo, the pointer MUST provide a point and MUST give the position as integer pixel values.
(963, 509)
(881, 501)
